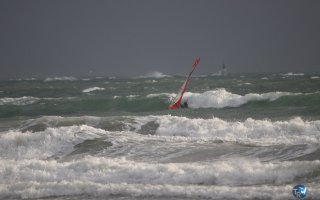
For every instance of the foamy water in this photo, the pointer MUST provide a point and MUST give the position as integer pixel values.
(18, 101)
(221, 98)
(243, 137)
(92, 89)
(58, 161)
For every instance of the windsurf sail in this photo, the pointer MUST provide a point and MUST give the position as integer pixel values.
(177, 100)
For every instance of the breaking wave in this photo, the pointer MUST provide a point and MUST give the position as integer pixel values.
(92, 89)
(19, 101)
(293, 74)
(15, 144)
(154, 74)
(250, 131)
(63, 78)
(54, 160)
(170, 95)
(221, 98)
(37, 178)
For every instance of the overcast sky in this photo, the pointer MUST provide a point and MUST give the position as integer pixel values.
(42, 38)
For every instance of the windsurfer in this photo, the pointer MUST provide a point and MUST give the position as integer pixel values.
(176, 103)
(184, 105)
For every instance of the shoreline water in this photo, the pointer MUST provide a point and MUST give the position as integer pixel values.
(244, 137)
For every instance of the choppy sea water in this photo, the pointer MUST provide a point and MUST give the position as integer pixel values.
(243, 137)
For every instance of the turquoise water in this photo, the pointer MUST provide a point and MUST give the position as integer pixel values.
(243, 137)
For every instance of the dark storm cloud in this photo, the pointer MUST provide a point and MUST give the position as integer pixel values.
(83, 38)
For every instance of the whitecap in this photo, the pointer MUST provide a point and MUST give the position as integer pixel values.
(63, 78)
(15, 144)
(230, 179)
(170, 95)
(154, 74)
(254, 132)
(92, 89)
(221, 98)
(293, 74)
(19, 101)
(131, 96)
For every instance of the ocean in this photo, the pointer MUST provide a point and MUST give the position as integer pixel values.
(249, 136)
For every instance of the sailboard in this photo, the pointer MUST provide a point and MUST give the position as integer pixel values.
(177, 100)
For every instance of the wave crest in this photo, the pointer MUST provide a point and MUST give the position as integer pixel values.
(221, 98)
(44, 144)
(251, 131)
(63, 78)
(105, 176)
(154, 74)
(92, 89)
(19, 101)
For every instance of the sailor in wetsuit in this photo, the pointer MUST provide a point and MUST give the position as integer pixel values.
(184, 105)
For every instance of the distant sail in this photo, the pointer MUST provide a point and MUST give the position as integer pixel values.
(177, 100)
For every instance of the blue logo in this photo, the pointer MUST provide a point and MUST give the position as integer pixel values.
(300, 191)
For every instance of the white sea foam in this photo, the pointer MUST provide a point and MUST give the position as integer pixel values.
(151, 81)
(131, 96)
(27, 100)
(15, 144)
(154, 74)
(26, 79)
(92, 89)
(63, 78)
(19, 101)
(170, 95)
(179, 129)
(221, 98)
(247, 83)
(254, 132)
(250, 131)
(314, 77)
(106, 176)
(292, 74)
(90, 188)
(26, 172)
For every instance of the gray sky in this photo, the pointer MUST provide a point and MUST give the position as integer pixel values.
(41, 38)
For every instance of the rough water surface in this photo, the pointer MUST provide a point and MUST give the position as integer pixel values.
(243, 137)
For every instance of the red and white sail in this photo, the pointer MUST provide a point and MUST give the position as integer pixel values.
(177, 100)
